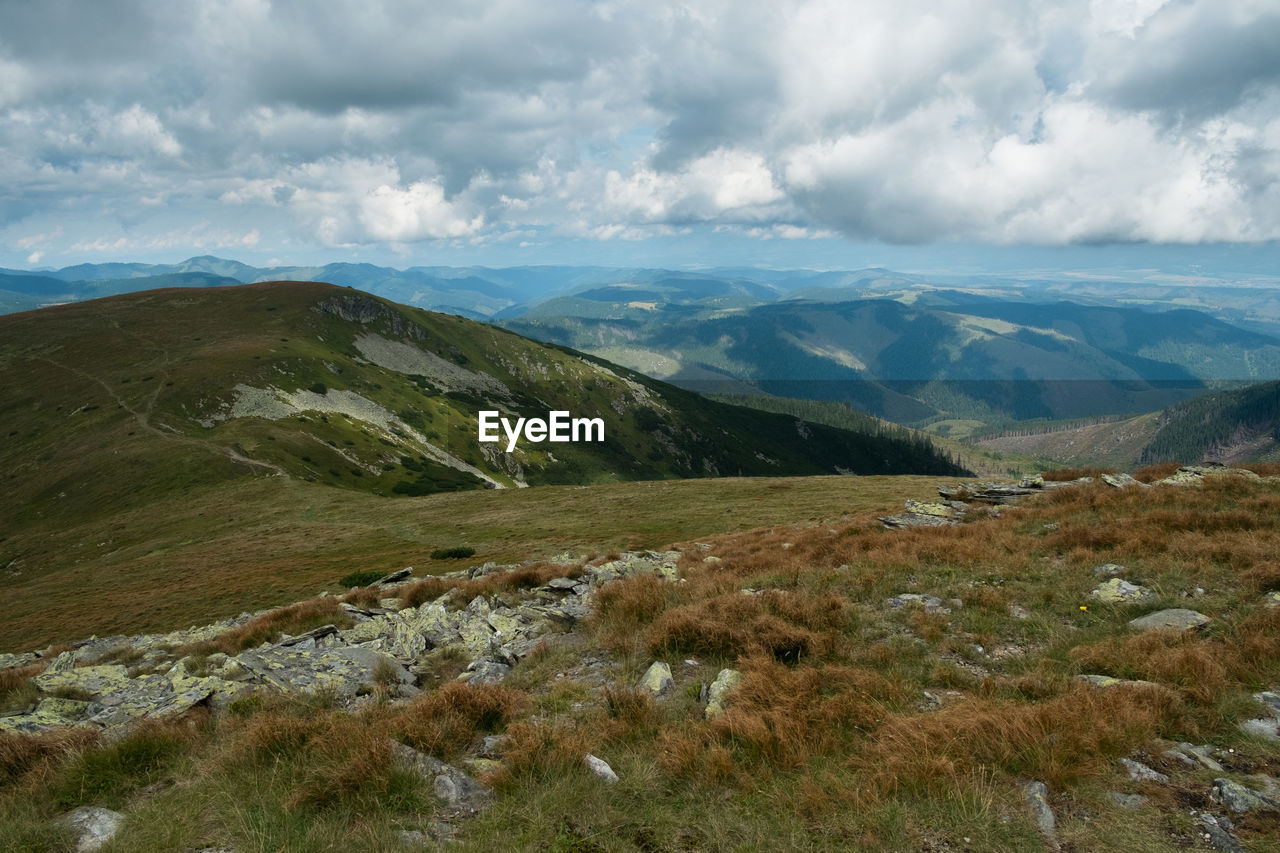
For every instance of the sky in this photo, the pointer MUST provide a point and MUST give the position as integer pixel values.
(784, 133)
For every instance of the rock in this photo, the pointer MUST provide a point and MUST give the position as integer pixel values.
(1240, 799)
(1122, 481)
(1176, 618)
(600, 767)
(89, 680)
(1201, 755)
(309, 637)
(912, 519)
(1126, 801)
(1108, 681)
(1109, 570)
(484, 672)
(94, 826)
(1019, 612)
(1267, 727)
(412, 837)
(344, 670)
(1120, 591)
(1140, 772)
(562, 583)
(1190, 475)
(657, 679)
(16, 660)
(1037, 796)
(930, 603)
(936, 508)
(1217, 831)
(718, 693)
(396, 577)
(492, 745)
(454, 787)
(1271, 599)
(713, 559)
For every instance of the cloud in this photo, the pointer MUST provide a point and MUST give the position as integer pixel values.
(397, 123)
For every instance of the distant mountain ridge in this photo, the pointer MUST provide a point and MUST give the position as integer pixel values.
(910, 348)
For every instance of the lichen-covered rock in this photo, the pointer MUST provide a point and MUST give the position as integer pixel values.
(657, 679)
(16, 660)
(89, 680)
(914, 519)
(1120, 591)
(1240, 799)
(1189, 475)
(49, 713)
(346, 671)
(1122, 481)
(1037, 796)
(930, 603)
(937, 508)
(1176, 619)
(718, 693)
(1109, 570)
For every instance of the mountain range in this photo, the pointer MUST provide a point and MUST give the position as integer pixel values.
(946, 353)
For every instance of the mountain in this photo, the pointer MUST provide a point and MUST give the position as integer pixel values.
(939, 355)
(1238, 425)
(128, 397)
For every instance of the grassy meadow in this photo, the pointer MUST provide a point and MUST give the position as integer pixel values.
(856, 725)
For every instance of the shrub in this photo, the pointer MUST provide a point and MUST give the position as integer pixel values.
(455, 553)
(317, 388)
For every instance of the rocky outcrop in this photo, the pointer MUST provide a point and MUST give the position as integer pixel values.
(83, 687)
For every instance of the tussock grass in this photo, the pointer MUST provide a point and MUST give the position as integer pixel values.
(446, 722)
(16, 690)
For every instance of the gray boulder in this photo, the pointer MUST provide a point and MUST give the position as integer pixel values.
(1176, 618)
(93, 826)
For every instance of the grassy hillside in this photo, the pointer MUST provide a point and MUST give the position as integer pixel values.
(123, 400)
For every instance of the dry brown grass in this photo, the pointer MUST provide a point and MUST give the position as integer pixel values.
(21, 753)
(789, 626)
(345, 758)
(534, 754)
(1158, 471)
(445, 723)
(1196, 665)
(294, 619)
(16, 689)
(1058, 741)
(1062, 475)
